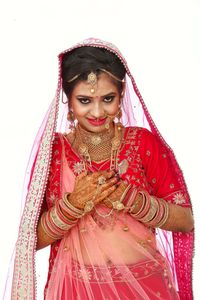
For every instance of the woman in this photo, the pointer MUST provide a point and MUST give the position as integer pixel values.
(106, 194)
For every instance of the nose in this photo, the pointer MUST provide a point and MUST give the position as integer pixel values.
(97, 110)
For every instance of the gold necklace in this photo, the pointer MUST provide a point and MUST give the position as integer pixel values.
(98, 147)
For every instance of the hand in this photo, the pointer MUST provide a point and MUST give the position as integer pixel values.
(116, 195)
(88, 188)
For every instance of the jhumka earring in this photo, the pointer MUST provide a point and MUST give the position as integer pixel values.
(71, 118)
(119, 115)
(92, 80)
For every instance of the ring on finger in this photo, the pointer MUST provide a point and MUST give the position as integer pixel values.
(101, 180)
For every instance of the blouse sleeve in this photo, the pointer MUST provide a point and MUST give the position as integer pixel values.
(162, 173)
(53, 185)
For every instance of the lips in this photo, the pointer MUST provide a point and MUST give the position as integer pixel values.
(97, 122)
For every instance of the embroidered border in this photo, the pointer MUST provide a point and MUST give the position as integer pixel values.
(24, 280)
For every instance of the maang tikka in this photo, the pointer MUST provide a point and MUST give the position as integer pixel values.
(92, 80)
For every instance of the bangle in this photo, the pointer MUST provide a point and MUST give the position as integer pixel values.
(130, 197)
(72, 210)
(62, 214)
(47, 229)
(57, 221)
(159, 214)
(152, 211)
(165, 214)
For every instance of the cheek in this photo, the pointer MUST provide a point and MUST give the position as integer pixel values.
(79, 110)
(113, 109)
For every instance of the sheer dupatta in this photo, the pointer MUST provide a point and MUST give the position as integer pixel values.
(135, 113)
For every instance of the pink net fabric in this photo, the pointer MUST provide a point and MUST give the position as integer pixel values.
(135, 114)
(91, 263)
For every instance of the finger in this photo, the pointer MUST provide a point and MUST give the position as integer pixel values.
(109, 183)
(105, 194)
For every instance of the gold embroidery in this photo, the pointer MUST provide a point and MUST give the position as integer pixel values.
(179, 198)
(148, 153)
(24, 275)
(154, 180)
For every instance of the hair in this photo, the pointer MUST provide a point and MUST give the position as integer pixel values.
(88, 59)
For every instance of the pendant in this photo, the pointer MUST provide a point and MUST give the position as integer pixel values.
(115, 143)
(95, 140)
(83, 149)
(123, 166)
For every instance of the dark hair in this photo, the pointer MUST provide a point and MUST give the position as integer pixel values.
(89, 59)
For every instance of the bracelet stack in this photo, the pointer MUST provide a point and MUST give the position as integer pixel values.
(61, 217)
(152, 211)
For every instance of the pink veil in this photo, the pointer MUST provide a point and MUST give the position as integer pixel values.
(177, 247)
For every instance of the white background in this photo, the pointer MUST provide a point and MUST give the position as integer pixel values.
(159, 39)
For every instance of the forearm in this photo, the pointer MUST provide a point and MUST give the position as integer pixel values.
(179, 219)
(43, 239)
(56, 222)
(155, 212)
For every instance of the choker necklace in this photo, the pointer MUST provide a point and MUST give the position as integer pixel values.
(98, 146)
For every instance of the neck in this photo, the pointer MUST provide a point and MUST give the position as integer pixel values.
(105, 131)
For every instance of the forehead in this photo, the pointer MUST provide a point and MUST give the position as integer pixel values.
(104, 86)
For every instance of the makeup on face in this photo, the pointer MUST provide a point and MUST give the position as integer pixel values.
(94, 110)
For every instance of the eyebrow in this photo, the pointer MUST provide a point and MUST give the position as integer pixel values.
(90, 97)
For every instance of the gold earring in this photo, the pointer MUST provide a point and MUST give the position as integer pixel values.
(71, 118)
(119, 115)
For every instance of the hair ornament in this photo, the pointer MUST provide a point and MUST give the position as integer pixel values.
(112, 75)
(92, 80)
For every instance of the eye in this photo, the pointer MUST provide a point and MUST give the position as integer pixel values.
(84, 100)
(108, 99)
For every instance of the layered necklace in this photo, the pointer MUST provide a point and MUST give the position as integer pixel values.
(99, 147)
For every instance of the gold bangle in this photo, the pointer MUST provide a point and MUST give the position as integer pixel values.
(57, 221)
(165, 215)
(152, 211)
(43, 226)
(77, 213)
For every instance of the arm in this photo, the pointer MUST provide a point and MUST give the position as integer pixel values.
(59, 219)
(180, 219)
(43, 239)
(165, 178)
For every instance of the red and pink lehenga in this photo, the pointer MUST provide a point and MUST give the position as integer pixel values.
(107, 254)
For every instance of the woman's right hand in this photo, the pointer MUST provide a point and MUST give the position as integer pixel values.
(91, 187)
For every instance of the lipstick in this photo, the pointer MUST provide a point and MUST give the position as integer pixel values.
(97, 122)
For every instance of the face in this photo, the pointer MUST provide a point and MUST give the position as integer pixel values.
(94, 110)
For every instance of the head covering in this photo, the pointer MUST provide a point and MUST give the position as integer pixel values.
(135, 113)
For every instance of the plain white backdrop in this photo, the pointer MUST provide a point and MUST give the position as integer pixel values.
(159, 39)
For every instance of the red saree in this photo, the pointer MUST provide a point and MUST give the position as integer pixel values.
(83, 276)
(152, 165)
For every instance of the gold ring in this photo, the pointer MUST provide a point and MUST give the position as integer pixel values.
(101, 180)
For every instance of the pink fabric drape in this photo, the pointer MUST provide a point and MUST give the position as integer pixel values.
(135, 114)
